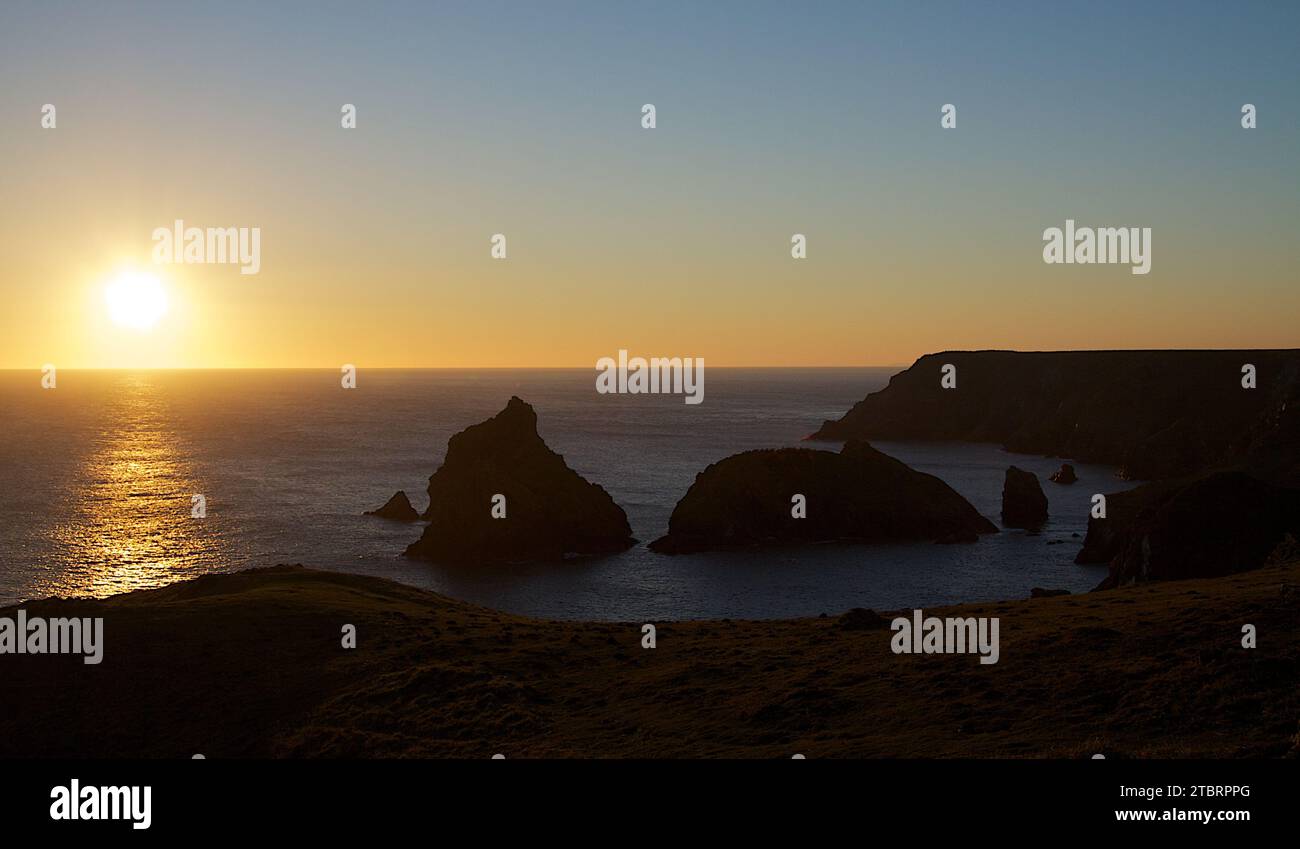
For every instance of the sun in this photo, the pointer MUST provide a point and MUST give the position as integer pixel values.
(136, 300)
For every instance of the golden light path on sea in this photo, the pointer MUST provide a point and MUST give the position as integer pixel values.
(131, 525)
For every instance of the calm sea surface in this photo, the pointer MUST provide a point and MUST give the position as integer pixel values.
(96, 479)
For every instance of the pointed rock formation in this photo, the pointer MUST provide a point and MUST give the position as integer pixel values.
(397, 508)
(1065, 474)
(857, 495)
(550, 511)
(1023, 502)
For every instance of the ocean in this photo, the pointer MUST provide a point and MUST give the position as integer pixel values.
(97, 478)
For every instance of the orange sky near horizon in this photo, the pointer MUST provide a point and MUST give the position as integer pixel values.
(510, 314)
(734, 298)
(396, 283)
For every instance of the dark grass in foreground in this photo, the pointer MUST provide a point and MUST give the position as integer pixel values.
(250, 665)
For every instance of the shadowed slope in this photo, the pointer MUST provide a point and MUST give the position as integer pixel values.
(250, 664)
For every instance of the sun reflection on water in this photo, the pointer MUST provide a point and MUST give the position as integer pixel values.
(131, 525)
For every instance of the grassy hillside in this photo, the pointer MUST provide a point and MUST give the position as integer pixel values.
(250, 664)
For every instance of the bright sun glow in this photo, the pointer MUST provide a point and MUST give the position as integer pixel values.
(136, 300)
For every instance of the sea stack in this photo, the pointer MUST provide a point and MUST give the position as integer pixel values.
(398, 508)
(1023, 502)
(1064, 475)
(798, 496)
(502, 496)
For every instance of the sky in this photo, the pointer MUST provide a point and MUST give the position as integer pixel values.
(524, 119)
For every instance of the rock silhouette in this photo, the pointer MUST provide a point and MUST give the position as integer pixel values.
(1175, 418)
(857, 495)
(1106, 537)
(1023, 502)
(550, 511)
(1064, 475)
(1219, 524)
(861, 619)
(397, 508)
(1147, 525)
(1154, 414)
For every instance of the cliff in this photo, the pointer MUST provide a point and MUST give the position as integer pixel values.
(1219, 524)
(1154, 414)
(1224, 459)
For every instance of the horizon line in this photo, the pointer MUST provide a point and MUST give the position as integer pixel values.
(904, 365)
(422, 368)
